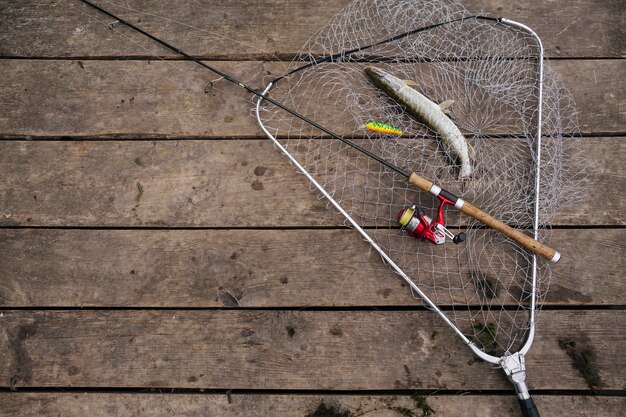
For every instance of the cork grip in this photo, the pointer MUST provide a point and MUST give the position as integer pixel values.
(523, 239)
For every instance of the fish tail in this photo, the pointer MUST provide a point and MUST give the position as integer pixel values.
(466, 172)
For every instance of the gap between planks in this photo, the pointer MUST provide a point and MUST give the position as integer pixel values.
(253, 405)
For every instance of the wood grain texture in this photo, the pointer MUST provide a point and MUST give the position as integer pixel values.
(262, 29)
(229, 179)
(249, 405)
(183, 181)
(213, 184)
(156, 99)
(248, 268)
(287, 350)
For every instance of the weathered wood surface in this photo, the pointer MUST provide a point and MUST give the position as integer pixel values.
(287, 350)
(250, 405)
(138, 99)
(264, 29)
(213, 184)
(258, 268)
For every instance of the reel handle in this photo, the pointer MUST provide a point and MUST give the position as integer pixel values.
(523, 239)
(459, 238)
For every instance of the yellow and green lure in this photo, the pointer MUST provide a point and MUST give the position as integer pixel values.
(382, 128)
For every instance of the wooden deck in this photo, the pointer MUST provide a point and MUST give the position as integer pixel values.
(131, 283)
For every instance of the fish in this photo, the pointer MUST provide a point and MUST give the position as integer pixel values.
(381, 127)
(429, 113)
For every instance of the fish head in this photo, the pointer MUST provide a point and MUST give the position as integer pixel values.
(383, 79)
(374, 72)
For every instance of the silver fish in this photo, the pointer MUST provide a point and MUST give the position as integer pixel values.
(427, 112)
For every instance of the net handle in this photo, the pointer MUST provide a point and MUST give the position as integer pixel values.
(471, 210)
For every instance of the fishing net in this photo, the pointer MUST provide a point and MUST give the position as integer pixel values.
(491, 72)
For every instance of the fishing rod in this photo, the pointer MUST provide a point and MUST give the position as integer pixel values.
(413, 178)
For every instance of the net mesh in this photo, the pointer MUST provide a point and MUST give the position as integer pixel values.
(490, 70)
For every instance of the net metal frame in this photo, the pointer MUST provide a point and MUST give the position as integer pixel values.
(328, 51)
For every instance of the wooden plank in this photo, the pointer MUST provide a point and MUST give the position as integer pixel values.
(182, 184)
(167, 99)
(330, 350)
(272, 27)
(213, 184)
(248, 405)
(248, 268)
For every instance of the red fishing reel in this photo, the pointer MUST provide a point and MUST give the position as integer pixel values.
(420, 226)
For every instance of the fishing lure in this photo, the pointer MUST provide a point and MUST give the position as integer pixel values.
(382, 128)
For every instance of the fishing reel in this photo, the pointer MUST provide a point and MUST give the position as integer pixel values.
(420, 226)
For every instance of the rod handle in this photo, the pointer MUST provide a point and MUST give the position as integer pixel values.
(523, 239)
(528, 408)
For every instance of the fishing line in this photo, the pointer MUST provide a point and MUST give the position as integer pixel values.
(208, 87)
(112, 26)
(215, 34)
